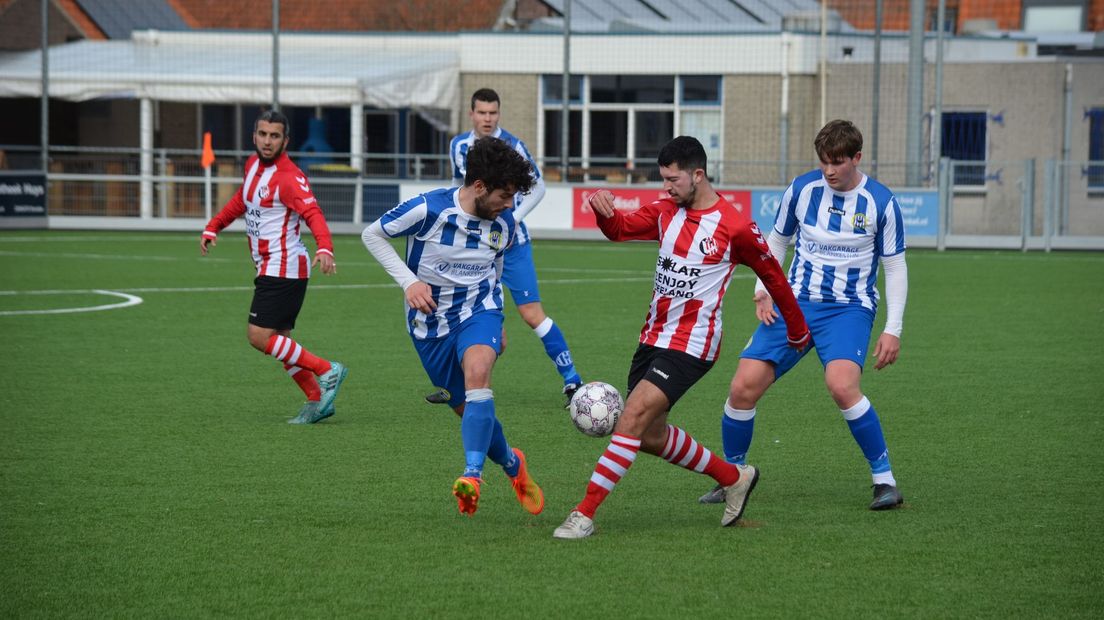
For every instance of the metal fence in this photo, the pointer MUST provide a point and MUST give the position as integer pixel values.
(1054, 203)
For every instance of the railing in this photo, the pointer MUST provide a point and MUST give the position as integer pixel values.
(995, 204)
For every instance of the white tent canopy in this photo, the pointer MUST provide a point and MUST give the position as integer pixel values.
(386, 71)
(404, 71)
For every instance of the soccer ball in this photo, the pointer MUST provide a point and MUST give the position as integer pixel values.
(595, 408)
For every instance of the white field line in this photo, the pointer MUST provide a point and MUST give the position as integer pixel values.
(128, 300)
(132, 300)
(367, 263)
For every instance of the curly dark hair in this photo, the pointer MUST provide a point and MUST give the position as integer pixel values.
(498, 166)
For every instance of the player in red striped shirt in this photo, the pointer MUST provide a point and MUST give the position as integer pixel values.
(274, 199)
(702, 238)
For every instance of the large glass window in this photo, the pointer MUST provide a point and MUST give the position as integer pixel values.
(429, 134)
(632, 89)
(553, 88)
(381, 140)
(619, 122)
(609, 137)
(965, 140)
(701, 89)
(553, 134)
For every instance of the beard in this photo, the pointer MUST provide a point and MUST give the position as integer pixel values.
(268, 160)
(689, 201)
(482, 210)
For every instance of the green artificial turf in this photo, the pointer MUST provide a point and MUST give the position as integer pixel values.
(146, 469)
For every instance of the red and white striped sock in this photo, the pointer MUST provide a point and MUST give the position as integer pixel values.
(293, 354)
(306, 381)
(684, 451)
(613, 464)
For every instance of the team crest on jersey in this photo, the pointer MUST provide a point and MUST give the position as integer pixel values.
(496, 239)
(707, 246)
(859, 220)
(262, 191)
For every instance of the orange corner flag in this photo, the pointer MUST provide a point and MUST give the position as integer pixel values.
(208, 152)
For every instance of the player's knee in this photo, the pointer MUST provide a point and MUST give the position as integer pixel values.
(257, 340)
(744, 392)
(844, 393)
(532, 313)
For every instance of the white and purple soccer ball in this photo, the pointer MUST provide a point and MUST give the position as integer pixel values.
(595, 408)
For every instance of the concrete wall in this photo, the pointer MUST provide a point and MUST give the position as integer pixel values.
(1085, 210)
(520, 94)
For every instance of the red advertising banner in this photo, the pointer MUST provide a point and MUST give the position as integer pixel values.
(631, 199)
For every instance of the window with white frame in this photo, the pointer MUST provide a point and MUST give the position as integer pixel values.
(621, 121)
(965, 140)
(1095, 170)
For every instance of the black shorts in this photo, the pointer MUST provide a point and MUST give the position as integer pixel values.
(277, 301)
(673, 372)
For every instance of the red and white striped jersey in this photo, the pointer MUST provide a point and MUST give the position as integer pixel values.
(274, 200)
(698, 251)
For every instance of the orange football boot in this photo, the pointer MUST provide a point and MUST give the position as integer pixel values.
(529, 494)
(466, 490)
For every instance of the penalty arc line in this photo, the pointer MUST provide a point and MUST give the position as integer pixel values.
(128, 300)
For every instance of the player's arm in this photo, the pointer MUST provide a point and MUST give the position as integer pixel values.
(764, 305)
(406, 219)
(531, 200)
(302, 201)
(454, 160)
(536, 192)
(888, 346)
(785, 226)
(756, 253)
(640, 225)
(890, 240)
(418, 294)
(231, 211)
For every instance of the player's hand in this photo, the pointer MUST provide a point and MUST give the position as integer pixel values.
(886, 350)
(764, 308)
(329, 265)
(799, 342)
(602, 203)
(203, 241)
(420, 297)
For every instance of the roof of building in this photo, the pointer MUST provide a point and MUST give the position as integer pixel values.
(678, 15)
(361, 16)
(118, 18)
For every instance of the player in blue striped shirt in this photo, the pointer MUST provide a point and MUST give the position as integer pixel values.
(451, 277)
(843, 225)
(519, 273)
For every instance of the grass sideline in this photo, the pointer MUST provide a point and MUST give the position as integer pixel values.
(146, 469)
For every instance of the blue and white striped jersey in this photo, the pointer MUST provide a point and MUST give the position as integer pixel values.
(458, 153)
(458, 255)
(840, 238)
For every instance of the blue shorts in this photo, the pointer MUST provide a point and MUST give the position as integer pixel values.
(441, 357)
(519, 274)
(839, 331)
